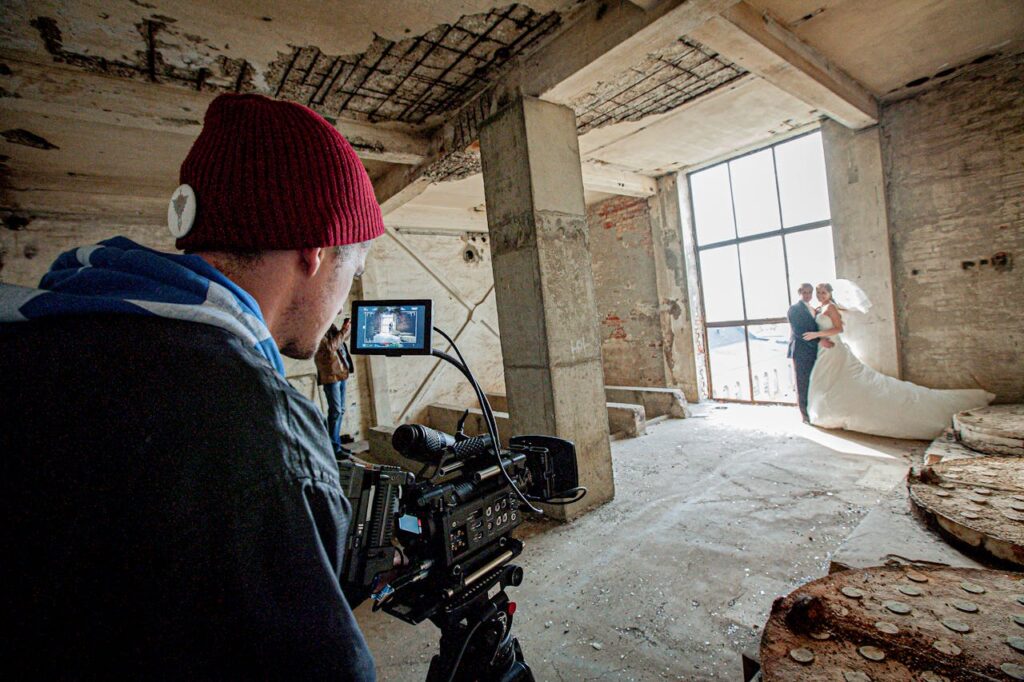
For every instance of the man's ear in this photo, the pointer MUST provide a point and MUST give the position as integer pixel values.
(311, 260)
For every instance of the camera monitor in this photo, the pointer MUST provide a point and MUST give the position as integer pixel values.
(391, 327)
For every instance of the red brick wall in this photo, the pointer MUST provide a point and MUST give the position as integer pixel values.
(625, 285)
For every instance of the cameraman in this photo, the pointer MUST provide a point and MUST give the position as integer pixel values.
(173, 506)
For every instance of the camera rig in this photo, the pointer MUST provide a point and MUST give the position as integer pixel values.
(438, 544)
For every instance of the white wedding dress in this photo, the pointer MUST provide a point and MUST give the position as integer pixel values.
(845, 393)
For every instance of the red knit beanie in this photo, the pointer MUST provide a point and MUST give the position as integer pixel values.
(270, 175)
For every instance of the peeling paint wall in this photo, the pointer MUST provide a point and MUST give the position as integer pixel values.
(954, 163)
(625, 285)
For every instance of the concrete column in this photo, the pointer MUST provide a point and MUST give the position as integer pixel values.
(696, 309)
(860, 233)
(673, 295)
(544, 286)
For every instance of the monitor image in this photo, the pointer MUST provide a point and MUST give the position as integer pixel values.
(391, 327)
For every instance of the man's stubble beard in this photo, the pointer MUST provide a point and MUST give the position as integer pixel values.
(292, 346)
(298, 345)
(298, 352)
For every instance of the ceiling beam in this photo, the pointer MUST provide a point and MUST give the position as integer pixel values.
(49, 89)
(443, 219)
(599, 40)
(602, 178)
(609, 40)
(438, 218)
(762, 45)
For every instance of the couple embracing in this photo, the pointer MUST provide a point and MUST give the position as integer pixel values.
(837, 391)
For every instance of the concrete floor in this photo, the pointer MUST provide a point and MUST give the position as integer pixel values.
(714, 517)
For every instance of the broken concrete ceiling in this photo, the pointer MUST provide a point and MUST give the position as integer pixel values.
(402, 67)
(396, 61)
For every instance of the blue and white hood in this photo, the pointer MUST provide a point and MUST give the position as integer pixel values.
(119, 276)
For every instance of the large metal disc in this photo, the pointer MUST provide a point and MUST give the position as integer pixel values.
(867, 641)
(976, 504)
(995, 430)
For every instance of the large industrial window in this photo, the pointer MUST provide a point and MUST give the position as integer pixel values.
(762, 226)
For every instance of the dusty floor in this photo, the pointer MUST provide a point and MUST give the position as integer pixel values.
(714, 517)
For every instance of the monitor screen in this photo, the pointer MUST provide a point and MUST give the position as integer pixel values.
(391, 327)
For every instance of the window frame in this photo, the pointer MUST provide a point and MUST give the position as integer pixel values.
(781, 233)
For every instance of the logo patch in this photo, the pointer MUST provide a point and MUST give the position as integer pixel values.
(181, 211)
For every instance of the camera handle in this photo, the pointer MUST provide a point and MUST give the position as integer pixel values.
(476, 638)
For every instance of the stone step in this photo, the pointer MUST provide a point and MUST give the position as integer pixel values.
(657, 402)
(625, 420)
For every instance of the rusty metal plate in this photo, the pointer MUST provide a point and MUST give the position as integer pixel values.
(995, 430)
(977, 504)
(947, 447)
(866, 640)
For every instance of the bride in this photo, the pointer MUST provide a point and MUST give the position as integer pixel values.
(845, 393)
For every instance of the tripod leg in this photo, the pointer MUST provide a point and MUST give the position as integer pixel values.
(518, 671)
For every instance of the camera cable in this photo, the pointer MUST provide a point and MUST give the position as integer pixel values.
(492, 425)
(465, 642)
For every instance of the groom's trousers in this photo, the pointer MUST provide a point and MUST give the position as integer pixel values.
(803, 363)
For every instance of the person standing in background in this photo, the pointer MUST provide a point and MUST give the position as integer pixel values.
(802, 351)
(333, 368)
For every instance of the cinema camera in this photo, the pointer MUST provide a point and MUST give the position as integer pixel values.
(438, 544)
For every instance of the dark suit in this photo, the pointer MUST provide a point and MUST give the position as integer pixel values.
(803, 353)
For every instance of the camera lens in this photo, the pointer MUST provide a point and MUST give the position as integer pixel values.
(416, 441)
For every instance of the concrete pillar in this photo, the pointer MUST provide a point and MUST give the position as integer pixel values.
(544, 286)
(860, 233)
(673, 295)
(696, 307)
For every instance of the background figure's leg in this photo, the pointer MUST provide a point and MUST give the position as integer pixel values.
(803, 379)
(335, 409)
(341, 410)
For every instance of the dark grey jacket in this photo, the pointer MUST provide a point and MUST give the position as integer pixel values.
(801, 321)
(172, 509)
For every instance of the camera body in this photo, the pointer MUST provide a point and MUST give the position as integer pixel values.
(440, 546)
(419, 544)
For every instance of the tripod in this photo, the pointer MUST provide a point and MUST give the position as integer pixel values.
(476, 638)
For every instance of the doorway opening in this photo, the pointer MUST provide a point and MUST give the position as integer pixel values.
(762, 226)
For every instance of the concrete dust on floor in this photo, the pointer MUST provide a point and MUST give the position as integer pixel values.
(714, 517)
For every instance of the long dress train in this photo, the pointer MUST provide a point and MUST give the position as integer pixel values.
(847, 394)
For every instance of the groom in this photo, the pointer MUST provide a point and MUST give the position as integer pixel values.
(803, 353)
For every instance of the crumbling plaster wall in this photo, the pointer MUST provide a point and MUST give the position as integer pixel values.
(860, 234)
(954, 166)
(625, 285)
(433, 266)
